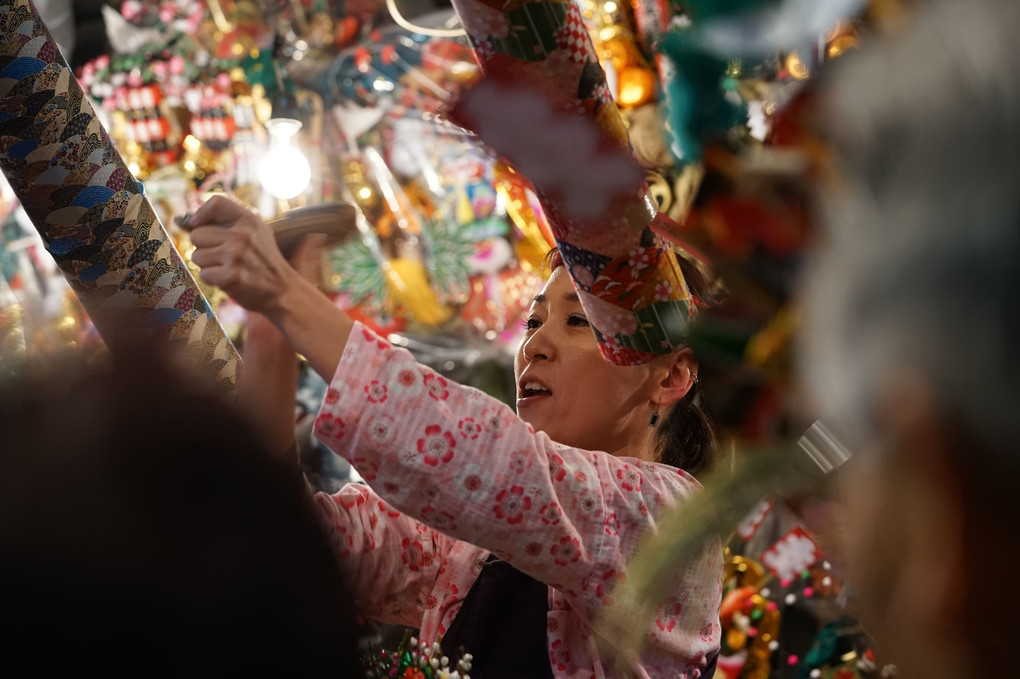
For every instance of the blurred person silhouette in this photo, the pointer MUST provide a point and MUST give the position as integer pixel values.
(913, 319)
(146, 530)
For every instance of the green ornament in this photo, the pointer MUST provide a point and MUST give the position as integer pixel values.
(448, 248)
(361, 277)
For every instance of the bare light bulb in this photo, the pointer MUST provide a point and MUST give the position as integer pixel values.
(284, 171)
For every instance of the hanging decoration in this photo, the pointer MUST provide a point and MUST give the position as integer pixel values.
(546, 108)
(91, 212)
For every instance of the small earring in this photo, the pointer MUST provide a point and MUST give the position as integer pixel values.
(654, 419)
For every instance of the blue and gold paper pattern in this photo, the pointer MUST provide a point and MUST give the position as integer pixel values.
(89, 209)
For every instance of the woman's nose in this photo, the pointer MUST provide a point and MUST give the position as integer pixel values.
(538, 347)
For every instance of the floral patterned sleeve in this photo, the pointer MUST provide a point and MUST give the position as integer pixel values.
(389, 560)
(466, 465)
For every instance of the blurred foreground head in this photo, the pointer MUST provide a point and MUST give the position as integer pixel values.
(914, 329)
(144, 531)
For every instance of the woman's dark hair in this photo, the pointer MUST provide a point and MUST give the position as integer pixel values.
(685, 436)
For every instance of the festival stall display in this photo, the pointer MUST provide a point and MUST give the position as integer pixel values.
(693, 137)
(784, 607)
(378, 145)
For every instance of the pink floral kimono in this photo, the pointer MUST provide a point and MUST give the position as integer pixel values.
(455, 475)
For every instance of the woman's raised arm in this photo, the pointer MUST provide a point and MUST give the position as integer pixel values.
(236, 251)
(466, 465)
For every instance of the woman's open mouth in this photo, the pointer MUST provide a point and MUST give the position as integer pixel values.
(531, 391)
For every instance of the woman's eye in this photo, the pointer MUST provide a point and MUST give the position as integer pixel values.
(577, 320)
(531, 323)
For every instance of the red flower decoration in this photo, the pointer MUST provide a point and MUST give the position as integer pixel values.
(568, 550)
(589, 503)
(376, 392)
(413, 553)
(332, 396)
(604, 590)
(519, 461)
(436, 386)
(551, 514)
(472, 483)
(494, 425)
(469, 429)
(438, 519)
(666, 619)
(450, 594)
(329, 426)
(511, 504)
(437, 445)
(556, 468)
(612, 524)
(367, 468)
(629, 477)
(559, 656)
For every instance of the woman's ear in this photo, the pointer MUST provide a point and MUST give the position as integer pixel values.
(681, 374)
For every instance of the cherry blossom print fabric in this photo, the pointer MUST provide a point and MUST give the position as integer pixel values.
(455, 475)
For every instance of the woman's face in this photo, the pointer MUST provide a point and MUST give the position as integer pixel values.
(566, 389)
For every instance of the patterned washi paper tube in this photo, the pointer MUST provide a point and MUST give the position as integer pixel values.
(90, 211)
(617, 254)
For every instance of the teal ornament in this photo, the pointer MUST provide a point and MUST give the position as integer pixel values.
(700, 10)
(697, 108)
(822, 652)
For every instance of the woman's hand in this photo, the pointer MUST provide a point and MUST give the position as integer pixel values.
(237, 252)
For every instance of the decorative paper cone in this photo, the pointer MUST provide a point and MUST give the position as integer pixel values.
(544, 106)
(91, 213)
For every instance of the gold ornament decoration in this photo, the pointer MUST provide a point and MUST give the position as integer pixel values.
(736, 640)
(618, 52)
(408, 284)
(648, 139)
(362, 191)
(749, 620)
(660, 190)
(685, 190)
(796, 67)
(637, 86)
